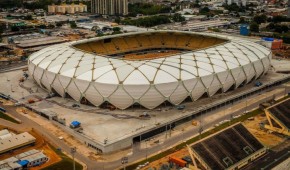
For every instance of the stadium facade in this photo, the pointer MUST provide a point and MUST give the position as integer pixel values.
(97, 70)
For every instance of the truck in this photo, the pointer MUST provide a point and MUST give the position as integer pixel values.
(75, 124)
(258, 84)
(177, 161)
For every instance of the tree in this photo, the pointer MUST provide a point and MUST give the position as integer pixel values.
(147, 9)
(280, 18)
(42, 26)
(58, 24)
(116, 29)
(50, 26)
(254, 27)
(118, 20)
(10, 3)
(148, 21)
(284, 28)
(73, 24)
(260, 19)
(281, 28)
(204, 10)
(1, 31)
(196, 4)
(14, 28)
(28, 17)
(242, 20)
(278, 28)
(178, 18)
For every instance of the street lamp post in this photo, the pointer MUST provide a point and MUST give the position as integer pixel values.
(73, 151)
(200, 130)
(146, 149)
(124, 160)
(246, 107)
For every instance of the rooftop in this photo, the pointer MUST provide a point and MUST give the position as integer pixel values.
(15, 141)
(21, 160)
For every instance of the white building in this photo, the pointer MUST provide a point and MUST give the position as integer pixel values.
(16, 141)
(24, 160)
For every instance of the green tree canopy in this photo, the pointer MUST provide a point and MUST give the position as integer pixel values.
(148, 21)
(147, 9)
(15, 28)
(73, 24)
(260, 18)
(254, 27)
(178, 18)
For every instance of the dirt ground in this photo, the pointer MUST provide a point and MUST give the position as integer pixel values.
(282, 53)
(53, 157)
(68, 139)
(6, 102)
(156, 164)
(266, 138)
(73, 37)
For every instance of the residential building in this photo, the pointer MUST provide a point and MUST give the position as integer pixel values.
(65, 8)
(110, 7)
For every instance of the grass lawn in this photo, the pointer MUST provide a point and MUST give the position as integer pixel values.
(65, 164)
(194, 139)
(6, 117)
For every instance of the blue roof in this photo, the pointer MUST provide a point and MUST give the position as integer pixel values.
(23, 162)
(268, 39)
(75, 123)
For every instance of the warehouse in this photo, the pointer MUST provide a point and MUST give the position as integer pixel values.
(16, 141)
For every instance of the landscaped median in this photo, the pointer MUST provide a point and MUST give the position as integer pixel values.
(196, 138)
(5, 116)
(65, 163)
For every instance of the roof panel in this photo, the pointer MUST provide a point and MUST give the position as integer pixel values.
(163, 77)
(136, 77)
(108, 78)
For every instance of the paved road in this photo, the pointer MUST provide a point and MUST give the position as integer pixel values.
(137, 152)
(29, 124)
(272, 158)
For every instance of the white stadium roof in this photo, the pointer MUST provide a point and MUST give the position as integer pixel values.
(149, 82)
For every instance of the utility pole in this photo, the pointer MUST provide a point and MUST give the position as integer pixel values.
(246, 108)
(124, 160)
(146, 149)
(73, 151)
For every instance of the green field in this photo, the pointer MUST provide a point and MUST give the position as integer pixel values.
(196, 138)
(6, 117)
(65, 164)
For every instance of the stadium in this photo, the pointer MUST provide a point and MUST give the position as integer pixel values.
(148, 68)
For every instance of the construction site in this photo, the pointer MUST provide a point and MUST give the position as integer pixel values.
(236, 147)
